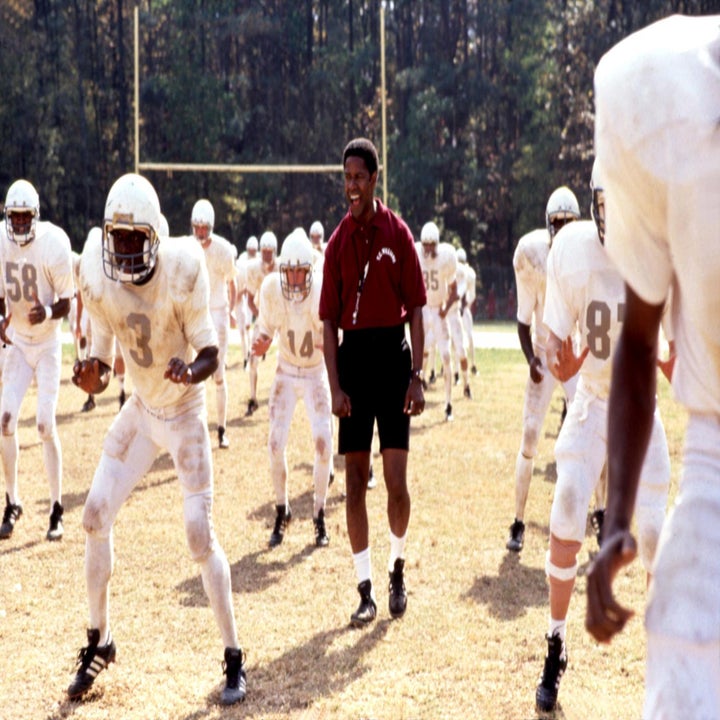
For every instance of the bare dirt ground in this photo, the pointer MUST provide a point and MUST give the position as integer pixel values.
(470, 646)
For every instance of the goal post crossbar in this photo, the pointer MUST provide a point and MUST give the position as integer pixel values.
(243, 169)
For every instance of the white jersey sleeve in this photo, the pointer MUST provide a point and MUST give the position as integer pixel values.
(530, 266)
(39, 271)
(166, 317)
(297, 324)
(661, 172)
(470, 282)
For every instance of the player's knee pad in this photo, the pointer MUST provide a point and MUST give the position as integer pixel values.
(530, 438)
(649, 523)
(198, 525)
(8, 423)
(568, 516)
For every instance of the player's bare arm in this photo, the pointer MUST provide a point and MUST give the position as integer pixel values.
(526, 345)
(201, 368)
(91, 375)
(451, 299)
(40, 313)
(4, 323)
(261, 345)
(414, 397)
(341, 405)
(562, 360)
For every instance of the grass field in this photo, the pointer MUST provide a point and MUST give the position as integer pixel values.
(470, 646)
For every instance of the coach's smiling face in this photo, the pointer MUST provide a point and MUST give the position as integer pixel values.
(359, 188)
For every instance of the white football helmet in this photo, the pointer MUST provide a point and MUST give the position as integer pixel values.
(461, 255)
(430, 237)
(251, 246)
(22, 198)
(295, 264)
(268, 247)
(164, 230)
(562, 207)
(202, 219)
(317, 234)
(597, 209)
(130, 229)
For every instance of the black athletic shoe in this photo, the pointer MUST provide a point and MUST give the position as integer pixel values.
(252, 407)
(597, 519)
(467, 393)
(397, 601)
(236, 680)
(473, 369)
(448, 412)
(55, 531)
(331, 479)
(432, 377)
(367, 609)
(517, 536)
(555, 665)
(372, 480)
(10, 517)
(92, 660)
(223, 442)
(89, 404)
(321, 536)
(121, 398)
(282, 520)
(456, 378)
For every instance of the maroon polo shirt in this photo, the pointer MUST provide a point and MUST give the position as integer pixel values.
(393, 283)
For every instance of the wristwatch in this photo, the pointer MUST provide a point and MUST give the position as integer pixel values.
(417, 375)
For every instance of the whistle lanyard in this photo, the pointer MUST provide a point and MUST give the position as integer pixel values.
(361, 276)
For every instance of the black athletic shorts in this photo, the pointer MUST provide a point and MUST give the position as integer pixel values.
(374, 370)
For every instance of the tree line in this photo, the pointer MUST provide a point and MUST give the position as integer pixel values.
(489, 107)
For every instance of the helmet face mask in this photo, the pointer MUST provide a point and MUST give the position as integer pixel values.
(202, 220)
(597, 208)
(317, 234)
(295, 265)
(22, 211)
(130, 231)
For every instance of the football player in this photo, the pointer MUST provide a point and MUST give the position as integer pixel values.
(36, 290)
(656, 134)
(466, 291)
(243, 316)
(438, 263)
(585, 293)
(455, 323)
(289, 306)
(530, 265)
(153, 295)
(257, 270)
(220, 261)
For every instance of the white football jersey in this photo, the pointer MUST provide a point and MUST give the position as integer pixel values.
(439, 273)
(256, 272)
(220, 261)
(660, 170)
(298, 324)
(470, 282)
(530, 265)
(461, 277)
(166, 317)
(39, 271)
(585, 291)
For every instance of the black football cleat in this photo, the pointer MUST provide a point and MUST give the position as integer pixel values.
(397, 600)
(92, 660)
(283, 516)
(321, 536)
(235, 678)
(56, 530)
(517, 536)
(223, 441)
(367, 609)
(252, 407)
(448, 413)
(555, 665)
(89, 404)
(10, 517)
(597, 520)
